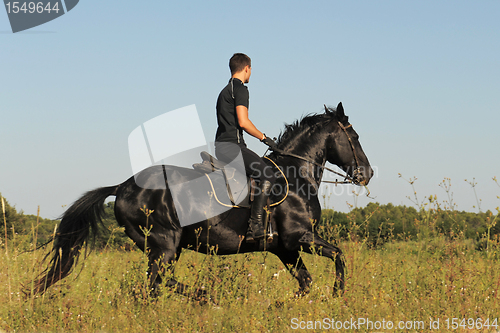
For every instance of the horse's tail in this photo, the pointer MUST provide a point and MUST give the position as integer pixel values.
(78, 224)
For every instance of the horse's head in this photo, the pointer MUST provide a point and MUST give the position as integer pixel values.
(343, 147)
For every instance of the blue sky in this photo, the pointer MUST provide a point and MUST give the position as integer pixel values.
(420, 82)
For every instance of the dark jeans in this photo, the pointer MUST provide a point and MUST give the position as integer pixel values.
(253, 163)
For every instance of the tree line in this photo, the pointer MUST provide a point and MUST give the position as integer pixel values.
(27, 231)
(376, 224)
(379, 223)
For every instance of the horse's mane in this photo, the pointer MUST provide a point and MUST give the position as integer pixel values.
(306, 122)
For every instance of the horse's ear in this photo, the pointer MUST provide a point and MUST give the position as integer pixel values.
(327, 110)
(340, 111)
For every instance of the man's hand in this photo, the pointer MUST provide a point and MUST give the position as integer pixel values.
(270, 142)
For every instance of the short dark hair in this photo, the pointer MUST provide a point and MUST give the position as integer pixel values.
(238, 62)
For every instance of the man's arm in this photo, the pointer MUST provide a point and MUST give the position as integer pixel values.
(246, 124)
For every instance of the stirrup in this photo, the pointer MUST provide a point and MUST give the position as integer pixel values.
(270, 232)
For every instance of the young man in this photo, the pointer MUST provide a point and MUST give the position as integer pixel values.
(232, 118)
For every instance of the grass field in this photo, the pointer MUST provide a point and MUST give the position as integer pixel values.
(409, 285)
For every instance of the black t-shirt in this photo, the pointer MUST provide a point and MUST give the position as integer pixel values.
(234, 94)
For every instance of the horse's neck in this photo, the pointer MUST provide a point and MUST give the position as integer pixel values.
(315, 152)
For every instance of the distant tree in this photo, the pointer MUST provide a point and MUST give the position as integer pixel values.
(10, 217)
(24, 229)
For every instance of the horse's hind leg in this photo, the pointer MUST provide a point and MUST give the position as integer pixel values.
(164, 250)
(312, 243)
(161, 263)
(296, 267)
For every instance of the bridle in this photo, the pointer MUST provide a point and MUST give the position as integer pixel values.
(357, 172)
(347, 179)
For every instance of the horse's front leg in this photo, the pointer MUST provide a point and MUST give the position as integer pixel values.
(296, 267)
(313, 243)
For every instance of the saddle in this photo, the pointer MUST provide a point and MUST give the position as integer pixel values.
(240, 188)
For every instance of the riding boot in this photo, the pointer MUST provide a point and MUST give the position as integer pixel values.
(256, 223)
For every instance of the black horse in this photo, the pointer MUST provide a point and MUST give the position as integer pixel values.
(304, 148)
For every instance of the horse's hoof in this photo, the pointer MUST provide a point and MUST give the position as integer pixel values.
(301, 293)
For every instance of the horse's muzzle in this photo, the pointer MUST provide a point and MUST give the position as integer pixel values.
(362, 175)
